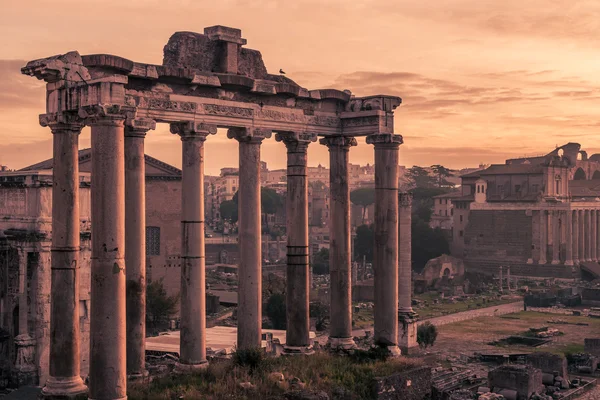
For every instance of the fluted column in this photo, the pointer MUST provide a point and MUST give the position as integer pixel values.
(340, 332)
(297, 275)
(570, 237)
(555, 238)
(192, 341)
(582, 236)
(385, 251)
(108, 365)
(135, 244)
(249, 234)
(543, 236)
(597, 244)
(64, 379)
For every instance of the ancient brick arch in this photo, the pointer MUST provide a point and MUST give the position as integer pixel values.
(579, 175)
(596, 174)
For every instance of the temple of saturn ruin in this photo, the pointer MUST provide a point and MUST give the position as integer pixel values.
(207, 81)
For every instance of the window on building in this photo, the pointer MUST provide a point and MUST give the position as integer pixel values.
(461, 218)
(460, 233)
(152, 241)
(452, 211)
(535, 188)
(446, 212)
(517, 188)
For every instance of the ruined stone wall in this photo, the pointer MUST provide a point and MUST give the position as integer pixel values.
(524, 269)
(590, 297)
(548, 363)
(410, 385)
(498, 235)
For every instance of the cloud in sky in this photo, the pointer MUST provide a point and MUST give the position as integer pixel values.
(481, 81)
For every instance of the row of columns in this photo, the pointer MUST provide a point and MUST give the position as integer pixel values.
(568, 236)
(118, 240)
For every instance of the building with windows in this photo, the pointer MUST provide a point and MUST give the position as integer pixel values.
(540, 215)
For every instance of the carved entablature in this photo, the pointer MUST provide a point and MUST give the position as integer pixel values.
(106, 114)
(210, 77)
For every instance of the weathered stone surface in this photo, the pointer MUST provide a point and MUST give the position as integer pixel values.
(549, 363)
(409, 385)
(524, 379)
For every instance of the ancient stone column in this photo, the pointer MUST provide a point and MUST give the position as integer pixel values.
(508, 278)
(385, 250)
(340, 236)
(555, 238)
(108, 370)
(543, 236)
(500, 281)
(597, 244)
(249, 230)
(407, 318)
(297, 275)
(135, 244)
(570, 235)
(588, 236)
(593, 236)
(64, 379)
(24, 371)
(582, 235)
(192, 340)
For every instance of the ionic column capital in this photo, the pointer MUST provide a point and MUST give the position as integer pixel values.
(385, 140)
(344, 142)
(62, 122)
(189, 130)
(106, 114)
(138, 127)
(405, 199)
(249, 135)
(296, 142)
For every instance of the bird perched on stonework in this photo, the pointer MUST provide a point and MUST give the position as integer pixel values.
(282, 72)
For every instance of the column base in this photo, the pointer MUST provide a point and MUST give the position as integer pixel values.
(297, 350)
(530, 261)
(189, 368)
(71, 388)
(542, 262)
(555, 262)
(341, 343)
(407, 331)
(569, 262)
(394, 351)
(575, 262)
(138, 376)
(24, 371)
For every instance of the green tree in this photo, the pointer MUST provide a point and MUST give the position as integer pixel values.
(426, 334)
(320, 312)
(419, 177)
(229, 210)
(160, 307)
(422, 203)
(427, 243)
(363, 243)
(363, 197)
(320, 264)
(442, 173)
(270, 201)
(275, 310)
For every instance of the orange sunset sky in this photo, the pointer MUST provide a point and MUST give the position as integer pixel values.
(481, 80)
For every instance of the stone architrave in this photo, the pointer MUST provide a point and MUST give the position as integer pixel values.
(297, 276)
(108, 349)
(385, 251)
(543, 236)
(407, 318)
(64, 379)
(192, 340)
(569, 236)
(249, 234)
(135, 244)
(340, 332)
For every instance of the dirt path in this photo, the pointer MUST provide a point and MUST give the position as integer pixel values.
(472, 314)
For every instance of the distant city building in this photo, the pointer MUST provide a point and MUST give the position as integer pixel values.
(540, 215)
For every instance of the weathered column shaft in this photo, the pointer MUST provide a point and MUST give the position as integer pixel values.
(192, 339)
(588, 235)
(593, 238)
(570, 237)
(555, 237)
(597, 244)
(543, 236)
(64, 378)
(575, 233)
(581, 235)
(135, 244)
(404, 253)
(23, 307)
(340, 332)
(249, 234)
(385, 251)
(108, 372)
(297, 276)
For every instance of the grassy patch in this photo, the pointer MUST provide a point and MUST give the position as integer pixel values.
(321, 371)
(442, 308)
